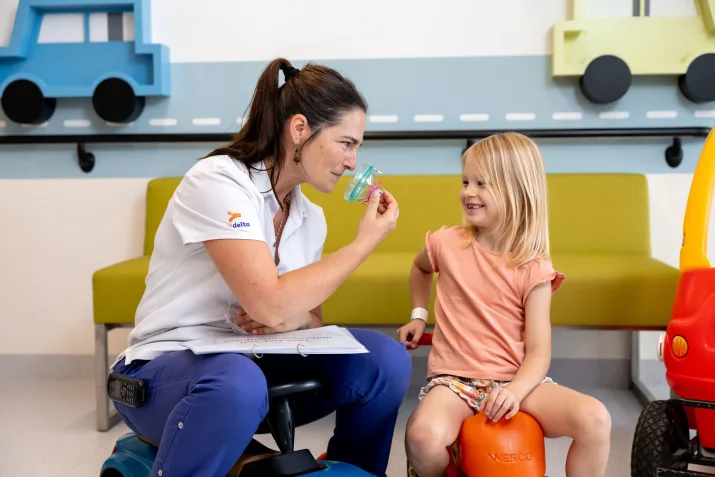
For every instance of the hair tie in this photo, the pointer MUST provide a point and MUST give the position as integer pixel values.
(290, 72)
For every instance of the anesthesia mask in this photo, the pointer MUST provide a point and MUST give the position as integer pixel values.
(363, 184)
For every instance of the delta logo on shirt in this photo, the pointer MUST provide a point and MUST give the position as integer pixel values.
(232, 216)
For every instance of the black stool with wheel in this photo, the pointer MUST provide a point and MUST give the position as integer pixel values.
(133, 455)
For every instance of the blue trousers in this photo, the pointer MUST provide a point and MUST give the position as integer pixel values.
(204, 410)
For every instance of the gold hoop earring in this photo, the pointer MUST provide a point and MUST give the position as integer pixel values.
(296, 157)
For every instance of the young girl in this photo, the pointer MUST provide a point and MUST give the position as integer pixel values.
(492, 340)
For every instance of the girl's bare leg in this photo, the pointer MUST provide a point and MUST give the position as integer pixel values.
(432, 428)
(564, 412)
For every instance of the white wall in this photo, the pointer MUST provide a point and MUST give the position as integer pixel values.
(242, 30)
(55, 235)
(624, 8)
(325, 29)
(233, 30)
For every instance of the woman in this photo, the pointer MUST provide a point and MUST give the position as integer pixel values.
(238, 228)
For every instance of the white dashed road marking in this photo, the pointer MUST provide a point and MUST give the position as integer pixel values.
(705, 114)
(520, 116)
(429, 118)
(613, 115)
(566, 116)
(206, 121)
(163, 122)
(661, 114)
(77, 123)
(392, 118)
(474, 117)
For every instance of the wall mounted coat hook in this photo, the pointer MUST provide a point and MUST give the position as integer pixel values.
(674, 153)
(84, 158)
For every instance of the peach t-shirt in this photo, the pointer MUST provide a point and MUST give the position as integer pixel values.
(479, 308)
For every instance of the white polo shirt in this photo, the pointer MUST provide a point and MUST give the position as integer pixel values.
(186, 298)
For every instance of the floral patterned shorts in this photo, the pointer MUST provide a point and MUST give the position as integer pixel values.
(473, 391)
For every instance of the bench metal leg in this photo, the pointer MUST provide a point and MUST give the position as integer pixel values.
(105, 418)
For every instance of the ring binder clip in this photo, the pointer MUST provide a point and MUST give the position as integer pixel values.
(253, 350)
(299, 351)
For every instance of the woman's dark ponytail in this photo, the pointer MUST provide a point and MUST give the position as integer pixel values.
(259, 136)
(320, 93)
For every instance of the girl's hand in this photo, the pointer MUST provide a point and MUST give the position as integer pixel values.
(249, 325)
(411, 333)
(498, 402)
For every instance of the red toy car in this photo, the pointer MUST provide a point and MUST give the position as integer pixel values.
(662, 445)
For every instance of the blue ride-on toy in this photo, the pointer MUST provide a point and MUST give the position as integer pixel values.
(134, 455)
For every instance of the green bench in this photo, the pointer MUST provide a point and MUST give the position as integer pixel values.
(599, 228)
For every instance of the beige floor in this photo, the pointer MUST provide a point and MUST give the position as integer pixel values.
(49, 431)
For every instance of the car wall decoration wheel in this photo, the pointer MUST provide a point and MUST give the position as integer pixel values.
(606, 79)
(114, 101)
(23, 103)
(698, 82)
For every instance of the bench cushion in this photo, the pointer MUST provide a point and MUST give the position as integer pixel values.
(611, 279)
(613, 290)
(117, 290)
(577, 207)
(619, 291)
(158, 194)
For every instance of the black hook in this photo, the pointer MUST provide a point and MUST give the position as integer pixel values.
(674, 153)
(84, 158)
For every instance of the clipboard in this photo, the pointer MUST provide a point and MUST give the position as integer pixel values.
(324, 340)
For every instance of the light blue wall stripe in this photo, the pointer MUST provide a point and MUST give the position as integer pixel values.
(428, 157)
(404, 87)
(450, 87)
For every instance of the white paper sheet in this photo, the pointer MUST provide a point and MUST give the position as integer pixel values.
(324, 340)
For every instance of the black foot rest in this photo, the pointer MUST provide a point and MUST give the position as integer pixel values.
(291, 464)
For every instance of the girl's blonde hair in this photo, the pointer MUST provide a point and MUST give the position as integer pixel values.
(513, 169)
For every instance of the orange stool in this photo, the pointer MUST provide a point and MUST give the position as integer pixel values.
(508, 448)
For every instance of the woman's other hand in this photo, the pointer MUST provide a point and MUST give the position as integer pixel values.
(248, 325)
(379, 220)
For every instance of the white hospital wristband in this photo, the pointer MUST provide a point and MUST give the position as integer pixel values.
(420, 314)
